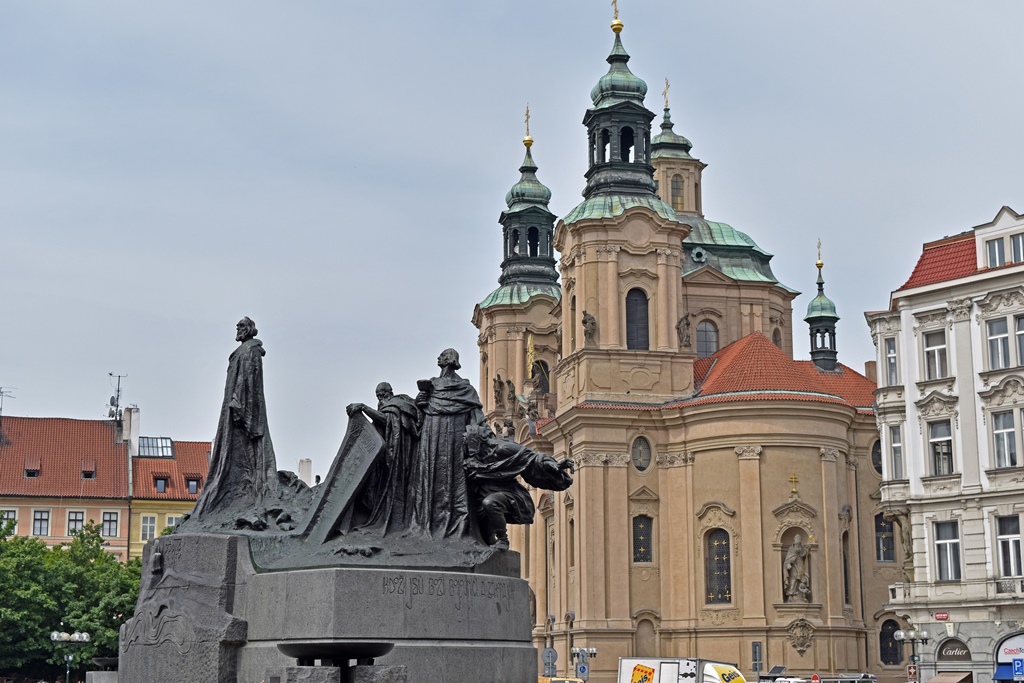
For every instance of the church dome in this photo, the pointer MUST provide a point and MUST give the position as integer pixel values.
(529, 191)
(619, 84)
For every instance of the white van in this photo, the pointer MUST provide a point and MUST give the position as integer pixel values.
(676, 670)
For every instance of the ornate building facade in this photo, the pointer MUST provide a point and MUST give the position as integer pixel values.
(951, 353)
(723, 504)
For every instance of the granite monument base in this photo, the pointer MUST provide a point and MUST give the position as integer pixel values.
(206, 614)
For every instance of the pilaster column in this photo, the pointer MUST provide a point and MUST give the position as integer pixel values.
(674, 285)
(664, 324)
(568, 291)
(752, 535)
(610, 337)
(519, 334)
(961, 364)
(831, 570)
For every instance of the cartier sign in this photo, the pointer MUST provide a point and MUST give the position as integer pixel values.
(954, 650)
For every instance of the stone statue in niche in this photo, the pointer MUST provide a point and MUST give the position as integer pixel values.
(493, 467)
(511, 399)
(499, 392)
(589, 328)
(510, 427)
(796, 575)
(683, 330)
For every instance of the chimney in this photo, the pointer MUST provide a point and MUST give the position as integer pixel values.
(306, 471)
(130, 430)
(871, 370)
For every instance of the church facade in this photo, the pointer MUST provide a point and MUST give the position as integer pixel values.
(725, 502)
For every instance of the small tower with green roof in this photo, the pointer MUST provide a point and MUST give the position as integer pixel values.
(676, 171)
(822, 318)
(518, 327)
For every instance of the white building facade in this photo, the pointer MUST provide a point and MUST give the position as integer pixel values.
(950, 411)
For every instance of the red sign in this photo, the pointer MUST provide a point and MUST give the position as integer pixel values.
(815, 678)
(942, 616)
(911, 672)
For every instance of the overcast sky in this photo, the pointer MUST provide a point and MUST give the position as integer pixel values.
(336, 170)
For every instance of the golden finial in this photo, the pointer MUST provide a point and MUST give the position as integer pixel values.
(528, 141)
(665, 93)
(616, 24)
(819, 263)
(794, 480)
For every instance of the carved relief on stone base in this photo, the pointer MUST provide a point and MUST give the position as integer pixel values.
(719, 617)
(800, 635)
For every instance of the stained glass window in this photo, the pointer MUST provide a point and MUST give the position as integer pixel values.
(641, 453)
(890, 649)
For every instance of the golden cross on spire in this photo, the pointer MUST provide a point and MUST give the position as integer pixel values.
(819, 263)
(528, 132)
(615, 6)
(793, 480)
(665, 93)
(527, 140)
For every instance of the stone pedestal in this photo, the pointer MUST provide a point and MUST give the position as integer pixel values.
(206, 615)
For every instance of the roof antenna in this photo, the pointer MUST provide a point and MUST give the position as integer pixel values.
(115, 401)
(5, 392)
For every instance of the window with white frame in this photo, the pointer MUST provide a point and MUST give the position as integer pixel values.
(947, 551)
(996, 253)
(1004, 439)
(172, 520)
(148, 528)
(896, 450)
(935, 355)
(892, 375)
(76, 521)
(109, 524)
(998, 344)
(940, 443)
(1008, 538)
(8, 516)
(1019, 329)
(1017, 247)
(41, 523)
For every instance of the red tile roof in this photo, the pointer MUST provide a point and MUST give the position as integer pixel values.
(945, 259)
(61, 449)
(754, 369)
(190, 461)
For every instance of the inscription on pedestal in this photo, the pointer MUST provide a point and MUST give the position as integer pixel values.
(413, 589)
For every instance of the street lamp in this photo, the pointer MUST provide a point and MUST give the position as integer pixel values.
(912, 636)
(76, 638)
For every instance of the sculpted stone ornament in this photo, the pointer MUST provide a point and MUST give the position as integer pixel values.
(492, 469)
(683, 331)
(499, 392)
(589, 328)
(511, 399)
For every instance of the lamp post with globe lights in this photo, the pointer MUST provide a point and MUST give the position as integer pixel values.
(76, 638)
(912, 636)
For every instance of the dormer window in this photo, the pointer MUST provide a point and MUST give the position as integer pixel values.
(32, 473)
(161, 484)
(156, 447)
(88, 474)
(193, 486)
(996, 253)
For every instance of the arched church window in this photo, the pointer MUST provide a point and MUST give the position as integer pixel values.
(876, 456)
(641, 454)
(777, 337)
(890, 649)
(717, 571)
(637, 333)
(533, 241)
(707, 338)
(606, 144)
(542, 376)
(572, 324)
(627, 144)
(846, 568)
(643, 528)
(677, 192)
(571, 550)
(514, 243)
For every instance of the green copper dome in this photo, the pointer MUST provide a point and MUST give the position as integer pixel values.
(821, 306)
(668, 144)
(619, 84)
(528, 191)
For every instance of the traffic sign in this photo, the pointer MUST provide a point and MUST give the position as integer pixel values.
(815, 678)
(1018, 668)
(911, 672)
(549, 655)
(583, 671)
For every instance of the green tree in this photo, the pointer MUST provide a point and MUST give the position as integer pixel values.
(75, 587)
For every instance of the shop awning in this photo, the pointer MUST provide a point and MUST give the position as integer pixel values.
(952, 677)
(1004, 672)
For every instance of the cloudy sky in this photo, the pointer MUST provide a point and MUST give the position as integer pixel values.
(336, 170)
